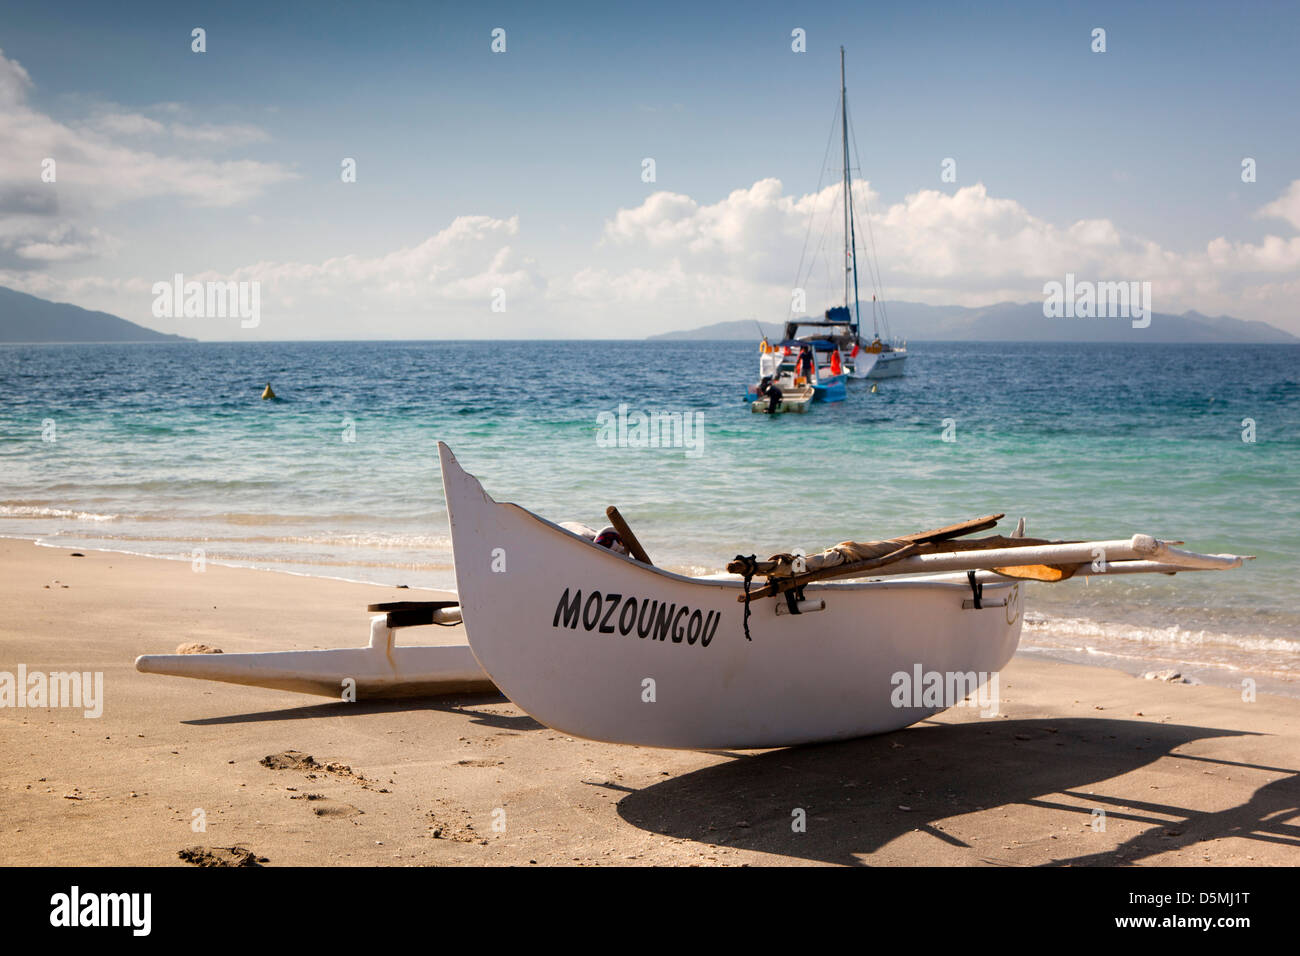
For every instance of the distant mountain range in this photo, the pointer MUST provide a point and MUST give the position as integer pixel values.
(25, 318)
(1020, 322)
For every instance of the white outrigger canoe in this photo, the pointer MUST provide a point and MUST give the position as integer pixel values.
(603, 646)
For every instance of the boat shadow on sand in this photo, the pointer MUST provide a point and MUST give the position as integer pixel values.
(853, 794)
(335, 708)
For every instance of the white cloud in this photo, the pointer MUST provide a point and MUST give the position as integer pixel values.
(465, 261)
(97, 168)
(126, 124)
(443, 287)
(14, 82)
(965, 247)
(220, 134)
(673, 262)
(1286, 206)
(63, 243)
(1273, 254)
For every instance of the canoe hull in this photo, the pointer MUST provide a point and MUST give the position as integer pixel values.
(597, 645)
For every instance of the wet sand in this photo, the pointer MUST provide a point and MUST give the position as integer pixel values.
(1185, 774)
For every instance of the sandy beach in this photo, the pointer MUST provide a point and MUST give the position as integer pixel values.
(1185, 774)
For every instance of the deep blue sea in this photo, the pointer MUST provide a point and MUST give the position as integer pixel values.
(168, 449)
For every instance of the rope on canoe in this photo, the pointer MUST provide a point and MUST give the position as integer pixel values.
(750, 567)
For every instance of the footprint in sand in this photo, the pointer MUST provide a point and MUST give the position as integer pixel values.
(306, 763)
(221, 856)
(441, 829)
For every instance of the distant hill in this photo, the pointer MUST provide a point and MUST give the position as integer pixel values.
(719, 331)
(25, 318)
(1021, 322)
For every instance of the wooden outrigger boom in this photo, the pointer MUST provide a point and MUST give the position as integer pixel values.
(382, 669)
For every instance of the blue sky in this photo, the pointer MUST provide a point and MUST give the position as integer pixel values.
(548, 139)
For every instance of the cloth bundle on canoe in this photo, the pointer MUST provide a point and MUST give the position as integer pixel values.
(846, 552)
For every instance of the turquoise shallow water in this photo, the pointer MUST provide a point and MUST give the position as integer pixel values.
(165, 449)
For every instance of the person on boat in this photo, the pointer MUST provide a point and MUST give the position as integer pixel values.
(804, 365)
(772, 391)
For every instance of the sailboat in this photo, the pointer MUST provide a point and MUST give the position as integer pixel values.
(862, 357)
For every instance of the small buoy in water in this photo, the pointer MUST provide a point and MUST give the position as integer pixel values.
(267, 393)
(873, 388)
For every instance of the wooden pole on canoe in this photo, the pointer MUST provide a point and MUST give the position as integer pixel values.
(1031, 558)
(633, 545)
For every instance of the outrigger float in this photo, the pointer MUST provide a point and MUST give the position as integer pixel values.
(609, 647)
(382, 669)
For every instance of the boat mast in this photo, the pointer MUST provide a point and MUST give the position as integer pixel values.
(850, 238)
